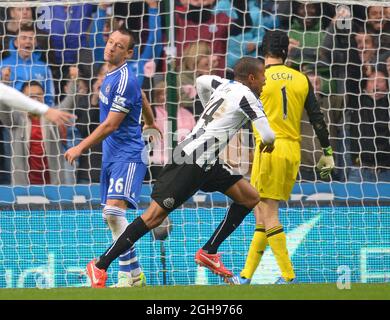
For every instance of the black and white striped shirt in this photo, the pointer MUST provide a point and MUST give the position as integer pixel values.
(228, 105)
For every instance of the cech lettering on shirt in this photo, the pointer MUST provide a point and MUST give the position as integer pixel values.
(103, 98)
(281, 76)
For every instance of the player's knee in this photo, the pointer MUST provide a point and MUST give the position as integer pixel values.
(111, 220)
(153, 217)
(258, 215)
(112, 215)
(270, 215)
(252, 200)
(269, 211)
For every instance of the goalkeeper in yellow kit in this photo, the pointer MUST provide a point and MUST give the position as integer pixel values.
(285, 94)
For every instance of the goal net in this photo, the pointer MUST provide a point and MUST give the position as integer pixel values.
(51, 222)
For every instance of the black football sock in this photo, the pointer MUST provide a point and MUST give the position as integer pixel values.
(134, 231)
(234, 216)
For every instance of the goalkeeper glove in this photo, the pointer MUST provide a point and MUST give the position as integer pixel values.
(326, 163)
(266, 147)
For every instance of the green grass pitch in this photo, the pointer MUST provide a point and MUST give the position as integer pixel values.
(327, 291)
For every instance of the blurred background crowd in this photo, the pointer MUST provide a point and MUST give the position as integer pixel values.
(55, 55)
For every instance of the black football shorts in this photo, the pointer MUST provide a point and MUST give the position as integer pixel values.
(176, 183)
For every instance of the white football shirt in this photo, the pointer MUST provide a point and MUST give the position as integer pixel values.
(228, 105)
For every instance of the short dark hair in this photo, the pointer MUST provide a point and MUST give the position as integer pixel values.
(129, 33)
(275, 44)
(30, 84)
(27, 27)
(245, 66)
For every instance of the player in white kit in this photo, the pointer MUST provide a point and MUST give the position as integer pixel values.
(228, 105)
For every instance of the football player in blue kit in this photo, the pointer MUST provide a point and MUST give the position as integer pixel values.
(123, 169)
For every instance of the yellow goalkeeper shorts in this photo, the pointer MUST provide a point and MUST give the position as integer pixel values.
(274, 174)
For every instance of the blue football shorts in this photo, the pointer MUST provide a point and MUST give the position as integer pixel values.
(122, 180)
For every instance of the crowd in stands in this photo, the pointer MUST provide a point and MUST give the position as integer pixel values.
(344, 50)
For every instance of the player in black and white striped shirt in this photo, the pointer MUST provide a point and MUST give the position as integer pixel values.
(228, 106)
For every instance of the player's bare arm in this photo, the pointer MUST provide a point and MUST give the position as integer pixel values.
(100, 133)
(267, 135)
(14, 99)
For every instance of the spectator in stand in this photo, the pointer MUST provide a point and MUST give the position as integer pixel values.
(385, 59)
(306, 31)
(14, 18)
(37, 150)
(87, 121)
(247, 27)
(371, 137)
(68, 37)
(97, 84)
(23, 65)
(364, 45)
(77, 97)
(367, 51)
(8, 33)
(336, 53)
(387, 15)
(185, 124)
(196, 21)
(197, 60)
(99, 31)
(283, 9)
(339, 53)
(145, 53)
(378, 25)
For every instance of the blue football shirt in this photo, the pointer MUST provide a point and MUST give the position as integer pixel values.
(120, 92)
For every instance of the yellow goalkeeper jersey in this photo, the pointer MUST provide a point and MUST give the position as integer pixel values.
(284, 97)
(285, 94)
